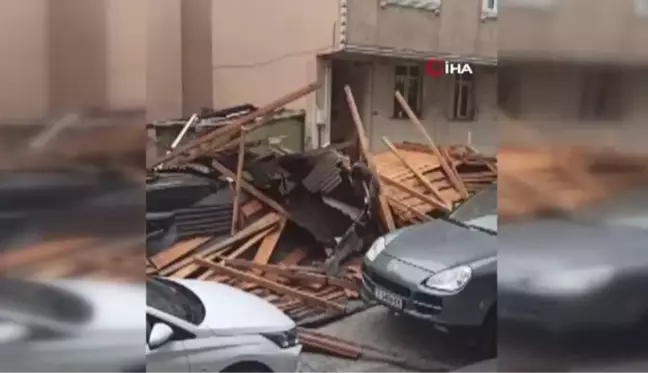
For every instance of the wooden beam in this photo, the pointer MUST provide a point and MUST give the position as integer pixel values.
(251, 189)
(271, 285)
(294, 274)
(409, 208)
(268, 244)
(175, 252)
(238, 122)
(236, 253)
(237, 186)
(454, 178)
(416, 172)
(415, 193)
(186, 264)
(386, 213)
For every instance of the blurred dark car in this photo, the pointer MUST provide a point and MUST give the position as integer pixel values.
(572, 289)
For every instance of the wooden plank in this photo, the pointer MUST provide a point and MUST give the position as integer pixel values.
(294, 257)
(22, 256)
(271, 285)
(237, 123)
(177, 251)
(420, 177)
(237, 185)
(251, 207)
(187, 266)
(251, 189)
(409, 209)
(294, 274)
(268, 245)
(415, 193)
(386, 215)
(454, 178)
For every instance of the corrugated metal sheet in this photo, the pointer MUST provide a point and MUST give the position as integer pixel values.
(417, 4)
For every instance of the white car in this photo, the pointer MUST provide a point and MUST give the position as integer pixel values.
(201, 326)
(71, 326)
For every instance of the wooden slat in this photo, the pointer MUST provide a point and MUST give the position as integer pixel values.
(187, 266)
(421, 178)
(456, 181)
(364, 148)
(177, 251)
(268, 244)
(237, 123)
(248, 277)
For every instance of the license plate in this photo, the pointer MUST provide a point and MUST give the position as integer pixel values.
(389, 298)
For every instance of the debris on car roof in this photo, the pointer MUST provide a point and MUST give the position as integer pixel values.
(289, 215)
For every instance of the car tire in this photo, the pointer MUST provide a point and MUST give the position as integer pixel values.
(250, 367)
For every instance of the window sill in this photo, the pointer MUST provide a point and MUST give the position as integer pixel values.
(428, 5)
(473, 119)
(488, 14)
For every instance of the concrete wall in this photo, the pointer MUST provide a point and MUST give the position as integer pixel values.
(588, 29)
(456, 28)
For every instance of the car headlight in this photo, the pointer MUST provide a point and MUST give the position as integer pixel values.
(450, 280)
(286, 339)
(378, 246)
(381, 244)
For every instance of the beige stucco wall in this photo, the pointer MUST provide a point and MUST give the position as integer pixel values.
(457, 28)
(68, 55)
(262, 51)
(24, 67)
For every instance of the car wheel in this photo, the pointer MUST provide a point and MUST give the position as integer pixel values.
(250, 367)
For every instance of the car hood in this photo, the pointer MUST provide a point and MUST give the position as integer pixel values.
(114, 305)
(228, 310)
(439, 244)
(578, 248)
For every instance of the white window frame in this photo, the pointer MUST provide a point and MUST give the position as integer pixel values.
(429, 5)
(418, 110)
(533, 4)
(458, 81)
(489, 8)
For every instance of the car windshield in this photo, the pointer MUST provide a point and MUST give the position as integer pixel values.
(176, 300)
(46, 302)
(482, 204)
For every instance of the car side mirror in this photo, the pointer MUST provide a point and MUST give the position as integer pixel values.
(160, 334)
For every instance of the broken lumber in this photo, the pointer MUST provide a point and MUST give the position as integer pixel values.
(237, 181)
(251, 189)
(454, 178)
(419, 176)
(294, 273)
(387, 217)
(186, 264)
(237, 123)
(271, 285)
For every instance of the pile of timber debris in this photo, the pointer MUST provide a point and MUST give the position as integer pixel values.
(223, 209)
(548, 180)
